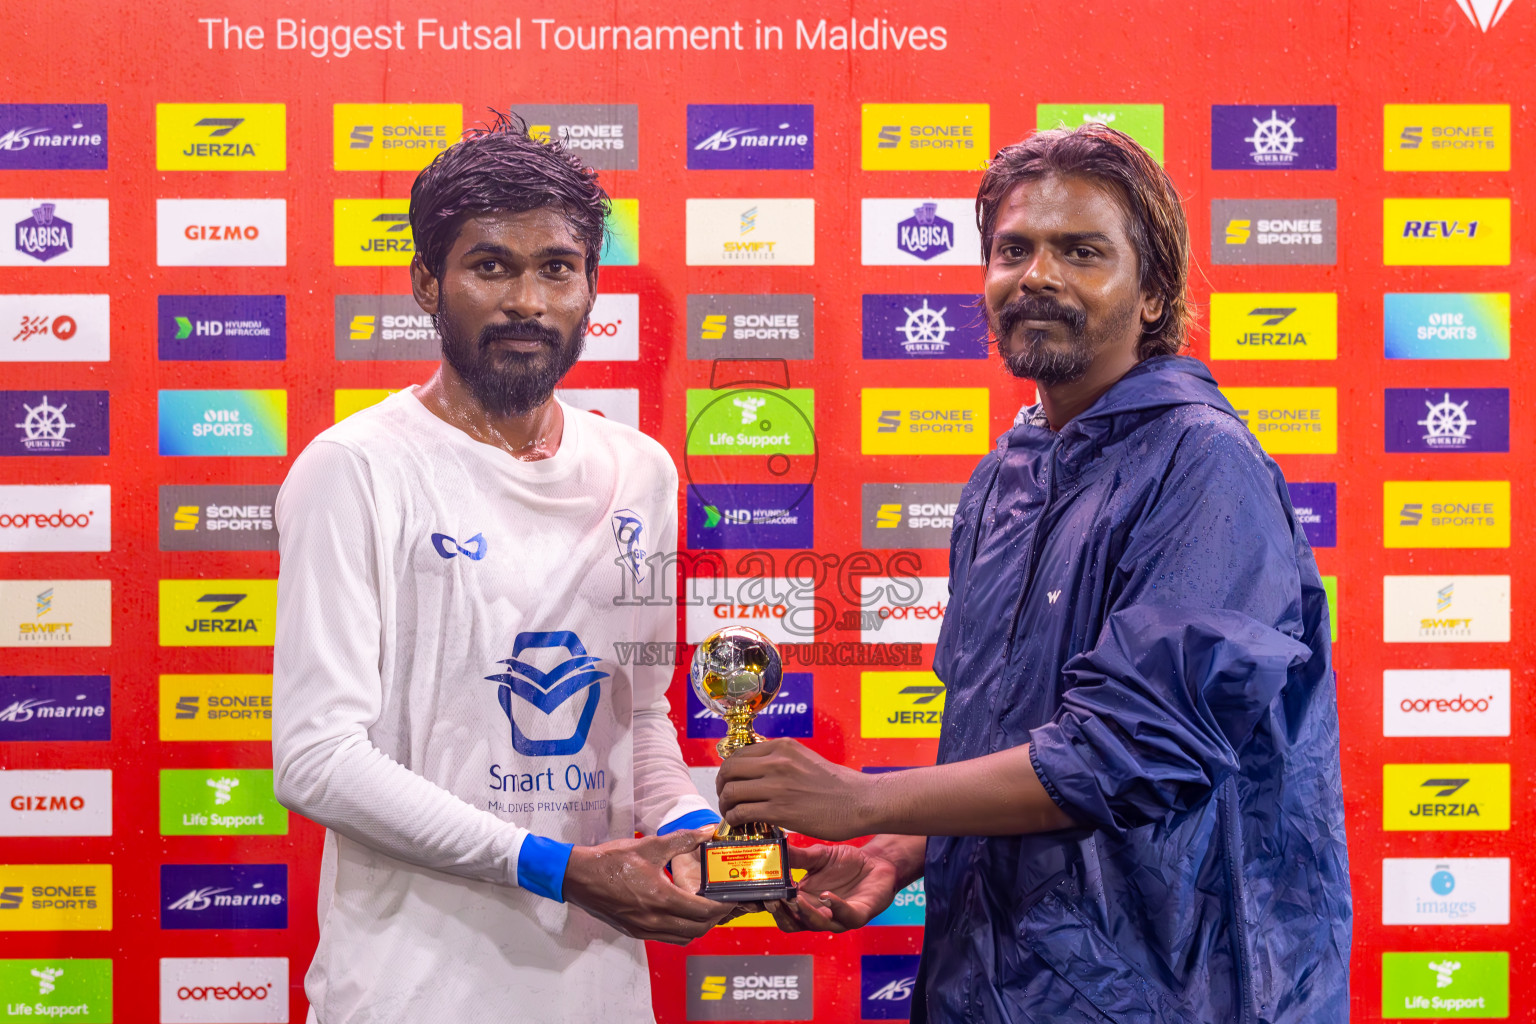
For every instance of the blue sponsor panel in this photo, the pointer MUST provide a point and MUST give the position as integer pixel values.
(907, 909)
(1451, 325)
(751, 136)
(54, 422)
(1447, 420)
(197, 327)
(206, 896)
(886, 982)
(1317, 510)
(226, 422)
(924, 327)
(755, 516)
(53, 136)
(1274, 137)
(792, 712)
(53, 709)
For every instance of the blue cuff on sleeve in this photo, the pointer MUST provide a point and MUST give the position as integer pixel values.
(693, 819)
(541, 866)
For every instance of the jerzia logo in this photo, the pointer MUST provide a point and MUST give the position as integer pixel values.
(473, 549)
(628, 529)
(548, 690)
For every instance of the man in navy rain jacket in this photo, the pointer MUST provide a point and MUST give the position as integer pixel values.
(1136, 814)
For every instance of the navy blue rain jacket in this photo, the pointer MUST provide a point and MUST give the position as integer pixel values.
(1134, 598)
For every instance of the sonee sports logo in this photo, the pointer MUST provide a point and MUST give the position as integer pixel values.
(547, 690)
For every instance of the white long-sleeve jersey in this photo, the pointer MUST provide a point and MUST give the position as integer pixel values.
(449, 702)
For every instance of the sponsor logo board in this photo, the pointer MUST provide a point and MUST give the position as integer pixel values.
(54, 233)
(218, 517)
(1331, 594)
(756, 136)
(886, 982)
(622, 405)
(1289, 421)
(220, 802)
(751, 327)
(1274, 325)
(1445, 702)
(223, 896)
(1445, 609)
(902, 609)
(384, 327)
(233, 423)
(221, 232)
(224, 990)
(78, 990)
(221, 137)
(924, 421)
(347, 401)
(217, 613)
(1445, 797)
(1317, 510)
(1445, 514)
(925, 136)
(1447, 419)
(1449, 890)
(392, 136)
(1445, 232)
(219, 708)
(919, 232)
(55, 328)
(752, 516)
(606, 136)
(1447, 986)
(53, 136)
(55, 517)
(750, 987)
(196, 327)
(751, 421)
(783, 608)
(613, 329)
(56, 802)
(745, 232)
(906, 705)
(55, 897)
(54, 423)
(1274, 138)
(792, 713)
(1277, 232)
(907, 909)
(1446, 325)
(924, 327)
(372, 233)
(55, 613)
(1141, 121)
(908, 515)
(1446, 136)
(621, 244)
(52, 709)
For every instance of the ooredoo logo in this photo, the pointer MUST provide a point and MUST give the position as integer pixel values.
(613, 329)
(215, 990)
(221, 232)
(55, 517)
(1445, 702)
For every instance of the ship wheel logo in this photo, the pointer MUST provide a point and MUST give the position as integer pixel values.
(1274, 141)
(1446, 423)
(44, 425)
(925, 329)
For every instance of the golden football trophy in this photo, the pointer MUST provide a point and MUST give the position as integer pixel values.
(736, 671)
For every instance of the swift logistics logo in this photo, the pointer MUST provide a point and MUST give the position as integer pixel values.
(54, 423)
(55, 613)
(1451, 890)
(1289, 421)
(606, 136)
(372, 233)
(751, 327)
(53, 136)
(731, 232)
(52, 709)
(1445, 609)
(1445, 232)
(55, 233)
(759, 136)
(551, 691)
(886, 982)
(925, 136)
(900, 705)
(55, 328)
(78, 990)
(924, 421)
(232, 423)
(1447, 419)
(1317, 510)
(57, 802)
(221, 232)
(919, 232)
(924, 327)
(1446, 325)
(223, 327)
(224, 990)
(218, 613)
(751, 987)
(1274, 138)
(1445, 137)
(1447, 986)
(215, 708)
(1445, 797)
(221, 137)
(205, 896)
(1445, 702)
(750, 516)
(1274, 232)
(217, 517)
(220, 802)
(1445, 513)
(55, 517)
(384, 327)
(907, 515)
(1274, 325)
(1141, 121)
(392, 136)
(55, 897)
(792, 713)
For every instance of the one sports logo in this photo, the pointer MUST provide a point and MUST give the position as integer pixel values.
(547, 691)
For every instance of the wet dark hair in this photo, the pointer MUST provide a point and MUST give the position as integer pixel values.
(500, 168)
(1154, 214)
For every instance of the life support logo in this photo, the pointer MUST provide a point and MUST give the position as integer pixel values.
(628, 530)
(549, 690)
(473, 549)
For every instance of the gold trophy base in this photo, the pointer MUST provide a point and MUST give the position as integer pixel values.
(744, 867)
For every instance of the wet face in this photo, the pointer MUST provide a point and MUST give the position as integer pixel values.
(512, 306)
(1062, 287)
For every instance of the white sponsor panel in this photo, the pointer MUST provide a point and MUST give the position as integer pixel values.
(53, 233)
(55, 328)
(781, 608)
(62, 802)
(902, 609)
(920, 232)
(1450, 890)
(1445, 609)
(751, 232)
(55, 517)
(221, 232)
(621, 405)
(1445, 702)
(55, 613)
(224, 990)
(613, 329)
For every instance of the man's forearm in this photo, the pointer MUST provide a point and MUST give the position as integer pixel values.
(995, 795)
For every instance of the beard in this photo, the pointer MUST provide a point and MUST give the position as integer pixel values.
(1032, 354)
(506, 383)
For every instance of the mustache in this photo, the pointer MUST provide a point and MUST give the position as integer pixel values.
(1038, 307)
(519, 330)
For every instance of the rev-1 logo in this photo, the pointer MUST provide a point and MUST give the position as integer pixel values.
(473, 549)
(547, 691)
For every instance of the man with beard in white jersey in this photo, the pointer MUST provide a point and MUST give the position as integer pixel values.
(447, 700)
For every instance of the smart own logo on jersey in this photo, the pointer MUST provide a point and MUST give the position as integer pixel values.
(1447, 420)
(55, 897)
(1445, 702)
(1445, 797)
(1441, 891)
(1445, 514)
(919, 232)
(1445, 232)
(924, 327)
(896, 705)
(792, 713)
(53, 136)
(224, 990)
(1446, 136)
(60, 988)
(1141, 121)
(751, 987)
(1446, 325)
(220, 802)
(218, 613)
(392, 136)
(221, 232)
(751, 327)
(1249, 232)
(1317, 511)
(1289, 421)
(235, 423)
(751, 136)
(50, 709)
(222, 708)
(384, 327)
(1274, 325)
(372, 233)
(54, 233)
(569, 672)
(55, 328)
(1445, 609)
(925, 136)
(1274, 138)
(221, 137)
(55, 802)
(606, 136)
(924, 421)
(54, 423)
(886, 982)
(223, 327)
(207, 896)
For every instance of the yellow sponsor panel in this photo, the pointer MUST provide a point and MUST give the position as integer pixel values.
(351, 400)
(1445, 514)
(1290, 421)
(373, 233)
(1446, 136)
(1274, 325)
(227, 708)
(1445, 232)
(1445, 797)
(924, 421)
(55, 897)
(393, 136)
(221, 137)
(217, 613)
(925, 136)
(900, 704)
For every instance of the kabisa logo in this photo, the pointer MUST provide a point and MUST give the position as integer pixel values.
(1460, 891)
(629, 538)
(55, 233)
(1295, 138)
(1317, 511)
(372, 233)
(220, 801)
(1445, 702)
(604, 135)
(45, 235)
(1447, 419)
(205, 896)
(53, 136)
(196, 327)
(221, 137)
(473, 549)
(392, 136)
(54, 422)
(217, 613)
(750, 988)
(221, 232)
(217, 517)
(924, 327)
(1446, 137)
(1274, 231)
(885, 985)
(900, 704)
(1446, 232)
(237, 990)
(925, 136)
(1271, 325)
(751, 326)
(548, 690)
(751, 136)
(1445, 797)
(46, 709)
(923, 232)
(792, 713)
(1441, 325)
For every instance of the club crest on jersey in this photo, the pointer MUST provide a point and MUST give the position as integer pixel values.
(547, 690)
(627, 531)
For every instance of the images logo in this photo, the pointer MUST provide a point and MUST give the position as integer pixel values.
(1444, 985)
(727, 232)
(920, 232)
(385, 327)
(217, 517)
(1289, 421)
(791, 714)
(885, 986)
(924, 421)
(1457, 891)
(55, 613)
(1446, 137)
(221, 232)
(750, 516)
(220, 801)
(900, 704)
(907, 515)
(1271, 325)
(1317, 510)
(55, 233)
(221, 137)
(55, 328)
(217, 613)
(223, 896)
(1445, 702)
(924, 327)
(604, 135)
(69, 802)
(548, 690)
(392, 136)
(1445, 797)
(751, 326)
(1447, 419)
(726, 137)
(234, 423)
(225, 708)
(1249, 232)
(55, 517)
(197, 327)
(57, 989)
(46, 709)
(1440, 609)
(750, 987)
(1446, 325)
(925, 136)
(1287, 138)
(1445, 232)
(235, 990)
(1141, 121)
(53, 136)
(55, 897)
(1446, 514)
